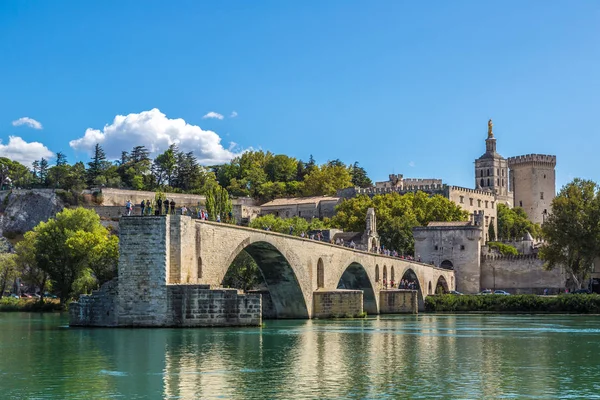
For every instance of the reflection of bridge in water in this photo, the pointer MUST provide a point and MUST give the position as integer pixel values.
(171, 266)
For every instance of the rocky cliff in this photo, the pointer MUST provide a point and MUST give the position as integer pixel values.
(22, 210)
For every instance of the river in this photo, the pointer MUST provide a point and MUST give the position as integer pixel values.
(425, 356)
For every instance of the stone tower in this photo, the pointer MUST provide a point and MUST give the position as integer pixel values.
(491, 170)
(533, 183)
(370, 237)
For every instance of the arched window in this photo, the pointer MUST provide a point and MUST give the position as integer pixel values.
(385, 273)
(481, 173)
(320, 274)
(199, 267)
(498, 181)
(376, 273)
(502, 182)
(498, 171)
(488, 172)
(392, 273)
(429, 290)
(488, 182)
(481, 182)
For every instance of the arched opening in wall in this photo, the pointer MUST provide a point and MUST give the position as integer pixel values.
(377, 273)
(447, 264)
(481, 173)
(261, 267)
(488, 172)
(410, 281)
(481, 183)
(385, 281)
(199, 266)
(373, 245)
(429, 288)
(441, 286)
(320, 274)
(488, 182)
(355, 277)
(392, 275)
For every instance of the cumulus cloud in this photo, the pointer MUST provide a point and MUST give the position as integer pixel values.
(157, 132)
(30, 122)
(212, 114)
(233, 114)
(19, 150)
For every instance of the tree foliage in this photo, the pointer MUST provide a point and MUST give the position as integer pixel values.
(8, 271)
(70, 243)
(514, 224)
(572, 230)
(243, 273)
(396, 216)
(283, 225)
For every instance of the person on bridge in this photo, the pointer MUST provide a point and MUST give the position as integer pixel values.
(128, 207)
(166, 204)
(158, 207)
(172, 207)
(143, 207)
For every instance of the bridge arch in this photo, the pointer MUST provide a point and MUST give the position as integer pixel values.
(410, 275)
(441, 285)
(279, 276)
(356, 277)
(447, 264)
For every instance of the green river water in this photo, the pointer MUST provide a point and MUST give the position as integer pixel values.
(386, 357)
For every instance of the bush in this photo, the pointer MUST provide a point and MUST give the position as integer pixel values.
(504, 249)
(31, 305)
(527, 303)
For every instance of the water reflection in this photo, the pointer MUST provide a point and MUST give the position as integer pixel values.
(423, 356)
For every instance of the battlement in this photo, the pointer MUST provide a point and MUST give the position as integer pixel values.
(476, 191)
(421, 181)
(532, 158)
(509, 257)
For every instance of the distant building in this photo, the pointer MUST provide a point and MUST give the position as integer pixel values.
(304, 207)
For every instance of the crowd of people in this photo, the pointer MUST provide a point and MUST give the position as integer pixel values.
(403, 284)
(166, 207)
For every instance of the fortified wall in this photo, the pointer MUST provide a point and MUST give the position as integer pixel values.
(520, 274)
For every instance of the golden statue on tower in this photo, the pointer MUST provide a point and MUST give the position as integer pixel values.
(490, 126)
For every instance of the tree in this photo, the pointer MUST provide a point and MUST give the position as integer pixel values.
(283, 225)
(243, 273)
(327, 179)
(396, 216)
(97, 166)
(359, 176)
(572, 230)
(43, 171)
(8, 271)
(218, 203)
(492, 233)
(281, 168)
(71, 242)
(164, 166)
(514, 224)
(27, 265)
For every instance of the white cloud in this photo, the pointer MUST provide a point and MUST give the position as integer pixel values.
(233, 114)
(411, 164)
(19, 150)
(157, 132)
(213, 114)
(30, 122)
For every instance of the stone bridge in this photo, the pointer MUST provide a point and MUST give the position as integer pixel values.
(293, 268)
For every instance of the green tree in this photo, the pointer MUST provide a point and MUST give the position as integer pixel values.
(97, 166)
(71, 242)
(396, 216)
(8, 271)
(243, 273)
(165, 165)
(327, 179)
(514, 224)
(359, 176)
(492, 233)
(281, 168)
(572, 230)
(27, 265)
(218, 203)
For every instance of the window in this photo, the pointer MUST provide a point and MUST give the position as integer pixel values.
(486, 220)
(488, 182)
(544, 176)
(462, 246)
(435, 247)
(462, 199)
(502, 182)
(488, 172)
(486, 204)
(492, 204)
(541, 195)
(498, 171)
(481, 173)
(299, 213)
(503, 172)
(498, 181)
(482, 182)
(478, 203)
(471, 201)
(520, 203)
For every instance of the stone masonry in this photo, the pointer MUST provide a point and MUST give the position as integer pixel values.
(337, 303)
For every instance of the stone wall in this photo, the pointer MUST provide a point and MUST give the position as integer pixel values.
(398, 302)
(97, 309)
(143, 270)
(519, 274)
(337, 303)
(199, 306)
(118, 197)
(268, 308)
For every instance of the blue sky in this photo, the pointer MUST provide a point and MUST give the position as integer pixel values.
(401, 87)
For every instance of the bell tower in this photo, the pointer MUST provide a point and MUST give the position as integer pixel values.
(491, 170)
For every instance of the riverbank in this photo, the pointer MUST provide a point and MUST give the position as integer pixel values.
(8, 304)
(526, 303)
